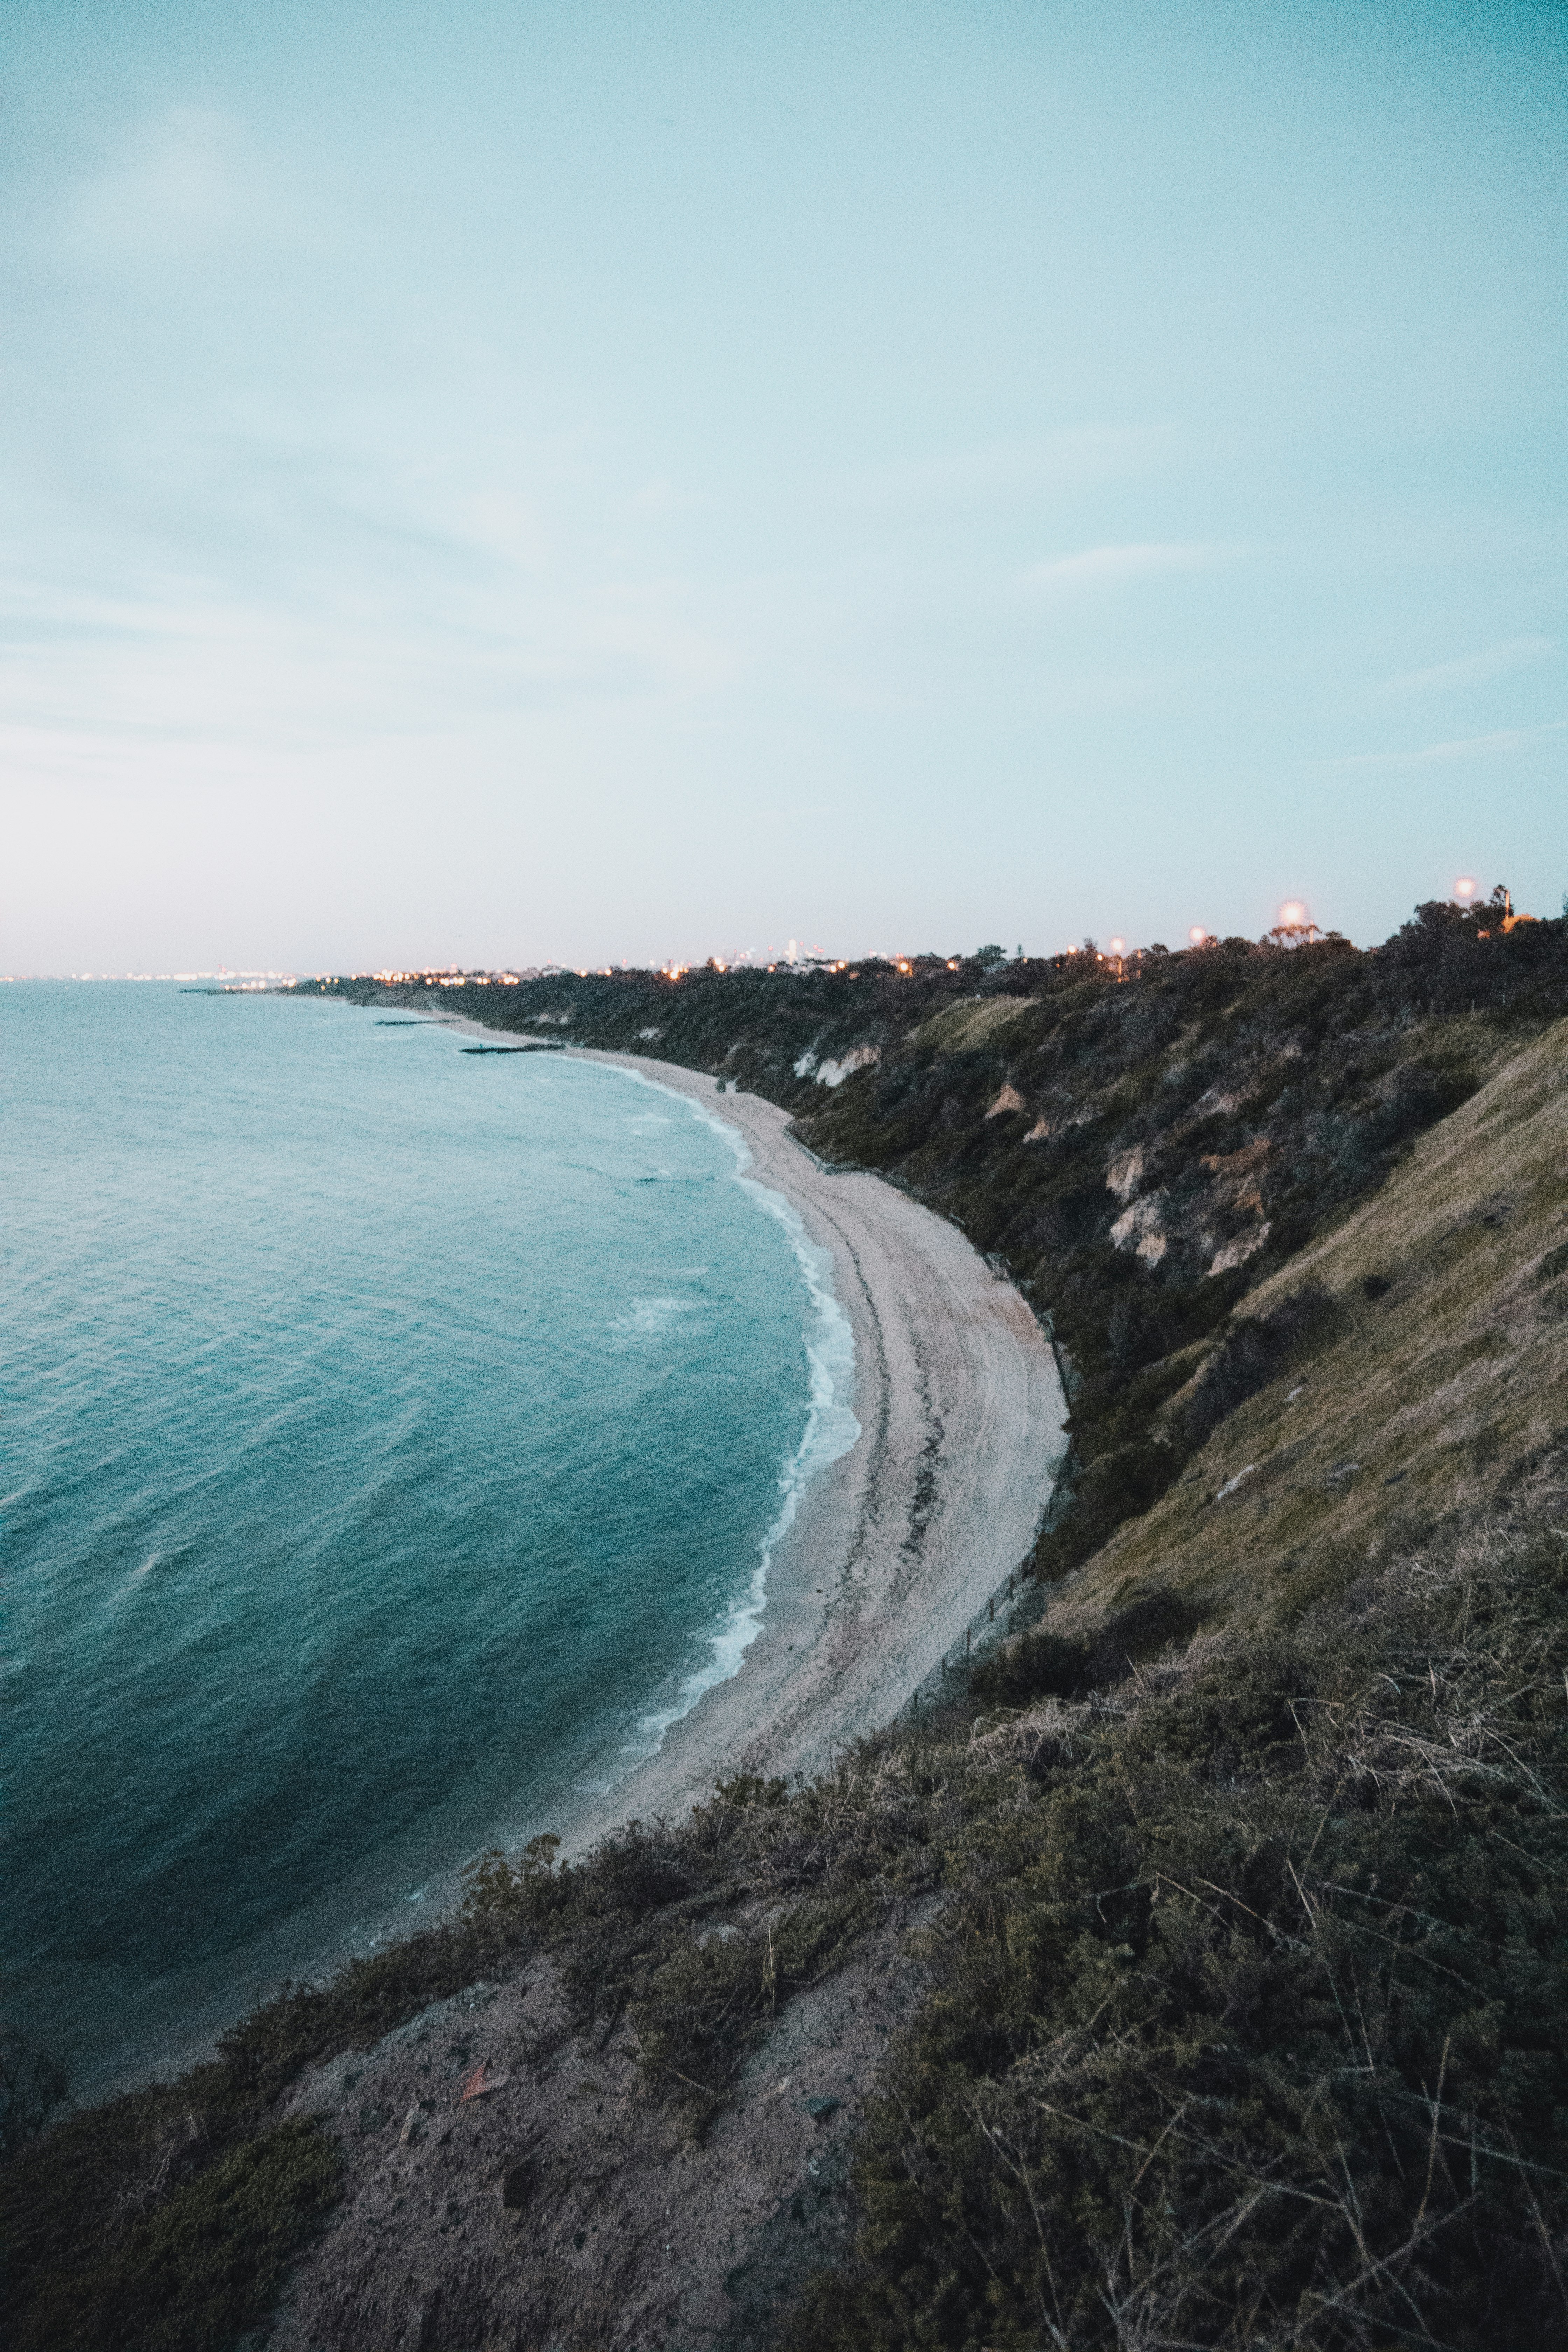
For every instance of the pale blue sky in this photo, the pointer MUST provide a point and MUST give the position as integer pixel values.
(493, 482)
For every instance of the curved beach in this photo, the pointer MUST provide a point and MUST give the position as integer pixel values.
(904, 1540)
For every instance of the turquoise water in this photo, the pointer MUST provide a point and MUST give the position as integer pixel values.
(395, 1441)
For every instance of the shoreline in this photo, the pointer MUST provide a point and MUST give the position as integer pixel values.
(900, 1544)
(894, 1549)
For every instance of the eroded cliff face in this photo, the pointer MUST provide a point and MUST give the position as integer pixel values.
(1141, 1152)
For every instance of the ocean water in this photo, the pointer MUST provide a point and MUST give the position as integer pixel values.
(396, 1439)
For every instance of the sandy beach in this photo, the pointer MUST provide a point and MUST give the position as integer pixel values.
(904, 1540)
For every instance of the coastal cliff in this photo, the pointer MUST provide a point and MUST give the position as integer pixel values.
(1196, 1975)
(1142, 1143)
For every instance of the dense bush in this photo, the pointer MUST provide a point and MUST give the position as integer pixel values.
(1043, 1665)
(33, 2084)
(201, 2265)
(1248, 2029)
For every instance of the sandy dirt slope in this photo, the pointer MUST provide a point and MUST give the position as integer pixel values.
(623, 2233)
(905, 1540)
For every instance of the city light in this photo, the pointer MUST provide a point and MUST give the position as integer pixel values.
(1118, 947)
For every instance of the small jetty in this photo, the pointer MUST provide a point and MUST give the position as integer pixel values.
(535, 1045)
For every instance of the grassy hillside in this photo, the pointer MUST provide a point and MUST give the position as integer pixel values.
(1249, 2010)
(1432, 1370)
(1247, 2025)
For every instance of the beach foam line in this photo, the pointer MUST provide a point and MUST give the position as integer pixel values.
(937, 1502)
(830, 1431)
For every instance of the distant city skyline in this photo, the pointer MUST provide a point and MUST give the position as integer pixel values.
(1294, 924)
(1294, 916)
(506, 484)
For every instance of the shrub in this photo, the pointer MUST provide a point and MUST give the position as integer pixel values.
(33, 2084)
(195, 2274)
(1043, 1665)
(1251, 2030)
(1254, 1353)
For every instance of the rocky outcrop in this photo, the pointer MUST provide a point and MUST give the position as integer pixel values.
(1139, 1228)
(1238, 1251)
(1235, 1192)
(1125, 1172)
(832, 1073)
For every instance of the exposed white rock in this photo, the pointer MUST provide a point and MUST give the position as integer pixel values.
(1040, 1132)
(1238, 1251)
(1125, 1172)
(1139, 1227)
(832, 1074)
(1008, 1100)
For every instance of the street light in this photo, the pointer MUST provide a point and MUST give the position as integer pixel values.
(1466, 889)
(1197, 935)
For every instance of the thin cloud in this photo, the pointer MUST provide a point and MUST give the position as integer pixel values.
(183, 184)
(1473, 669)
(1097, 567)
(1076, 456)
(171, 187)
(1463, 747)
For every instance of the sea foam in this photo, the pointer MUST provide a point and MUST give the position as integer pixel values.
(831, 1429)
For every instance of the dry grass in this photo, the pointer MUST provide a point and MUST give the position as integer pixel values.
(965, 1028)
(1428, 1397)
(1245, 2026)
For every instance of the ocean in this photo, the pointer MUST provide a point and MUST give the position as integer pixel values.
(395, 1441)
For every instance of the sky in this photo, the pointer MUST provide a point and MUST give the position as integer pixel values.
(486, 484)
